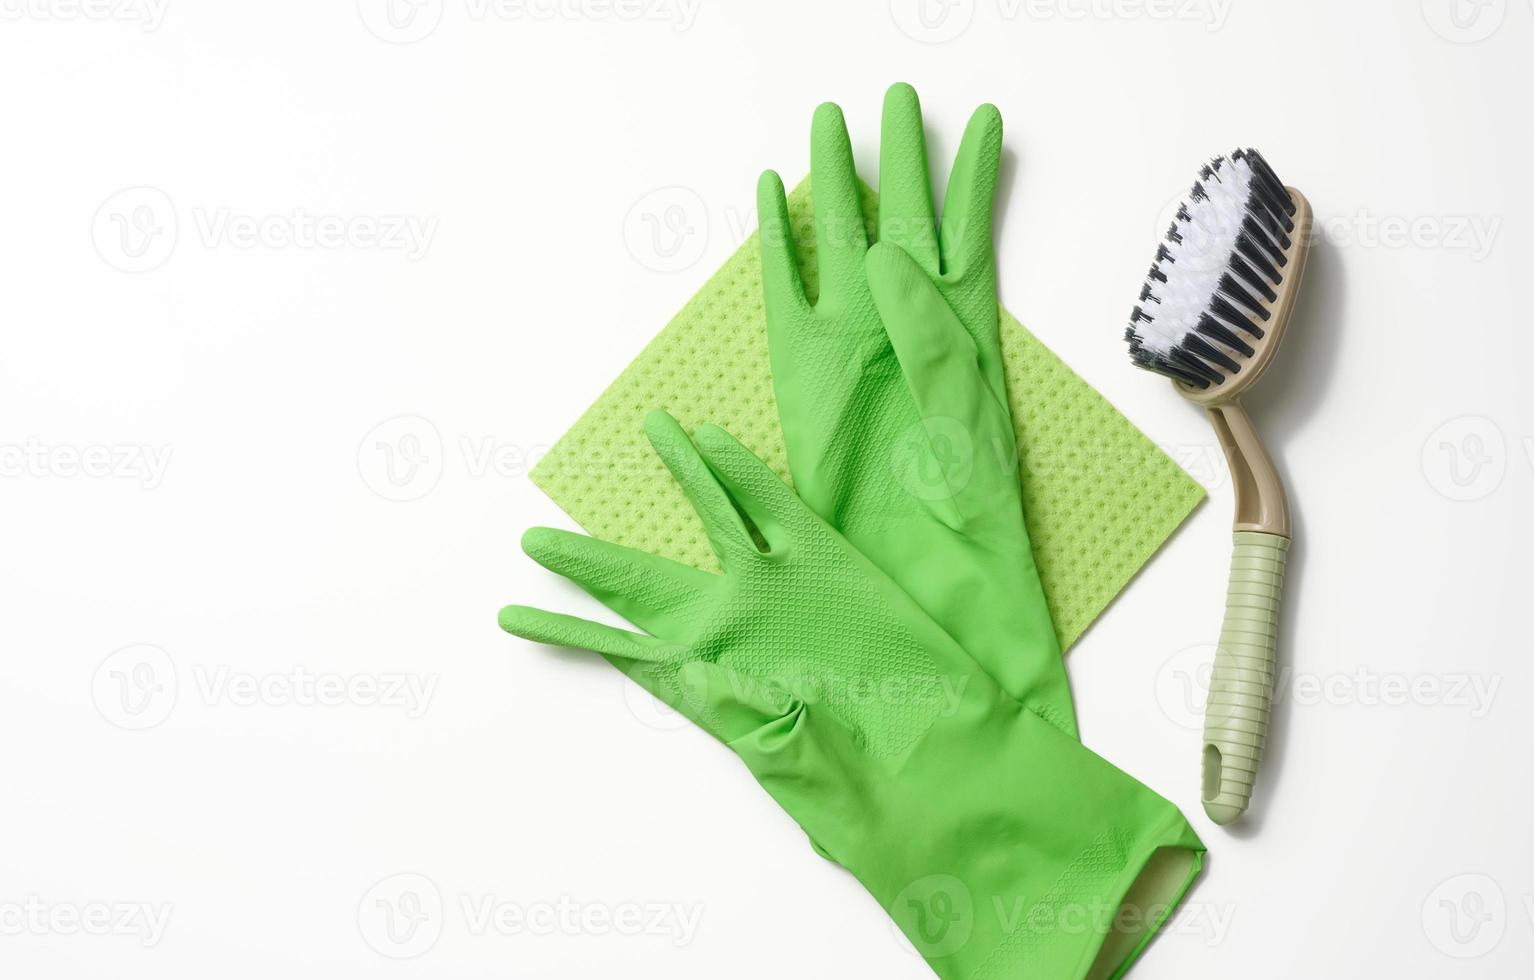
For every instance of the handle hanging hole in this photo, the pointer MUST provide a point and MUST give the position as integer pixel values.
(1212, 764)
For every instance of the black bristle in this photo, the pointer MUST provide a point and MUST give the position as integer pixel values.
(1270, 223)
(1180, 357)
(1187, 377)
(1222, 308)
(1238, 267)
(1265, 174)
(1260, 236)
(1209, 352)
(1234, 291)
(1154, 362)
(1210, 327)
(1252, 251)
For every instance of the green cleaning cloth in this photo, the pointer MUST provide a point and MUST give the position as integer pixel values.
(1099, 496)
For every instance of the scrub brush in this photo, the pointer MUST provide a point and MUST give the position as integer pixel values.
(1211, 317)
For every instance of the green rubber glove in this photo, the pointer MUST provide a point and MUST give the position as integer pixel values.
(1001, 846)
(892, 395)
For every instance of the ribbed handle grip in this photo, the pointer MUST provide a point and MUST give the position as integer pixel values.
(1241, 688)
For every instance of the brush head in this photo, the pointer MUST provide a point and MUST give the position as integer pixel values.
(1217, 298)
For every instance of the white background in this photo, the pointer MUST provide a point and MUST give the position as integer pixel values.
(200, 395)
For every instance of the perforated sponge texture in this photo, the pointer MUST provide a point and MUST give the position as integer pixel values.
(1100, 497)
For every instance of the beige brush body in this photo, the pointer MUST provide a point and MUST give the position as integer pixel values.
(1241, 685)
(1213, 313)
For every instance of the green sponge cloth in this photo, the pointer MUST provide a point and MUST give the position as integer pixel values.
(1100, 498)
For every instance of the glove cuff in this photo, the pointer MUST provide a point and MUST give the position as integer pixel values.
(1039, 859)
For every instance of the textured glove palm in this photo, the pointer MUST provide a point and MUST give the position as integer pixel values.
(892, 394)
(1001, 846)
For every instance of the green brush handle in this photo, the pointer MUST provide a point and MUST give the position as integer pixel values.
(1241, 689)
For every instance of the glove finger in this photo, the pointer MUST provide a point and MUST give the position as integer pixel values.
(968, 428)
(721, 521)
(906, 217)
(557, 629)
(936, 353)
(655, 594)
(969, 206)
(782, 287)
(764, 498)
(841, 233)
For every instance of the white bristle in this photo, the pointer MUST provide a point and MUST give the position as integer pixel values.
(1201, 258)
(1222, 256)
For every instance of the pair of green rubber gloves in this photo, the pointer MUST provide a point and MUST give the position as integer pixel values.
(878, 650)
